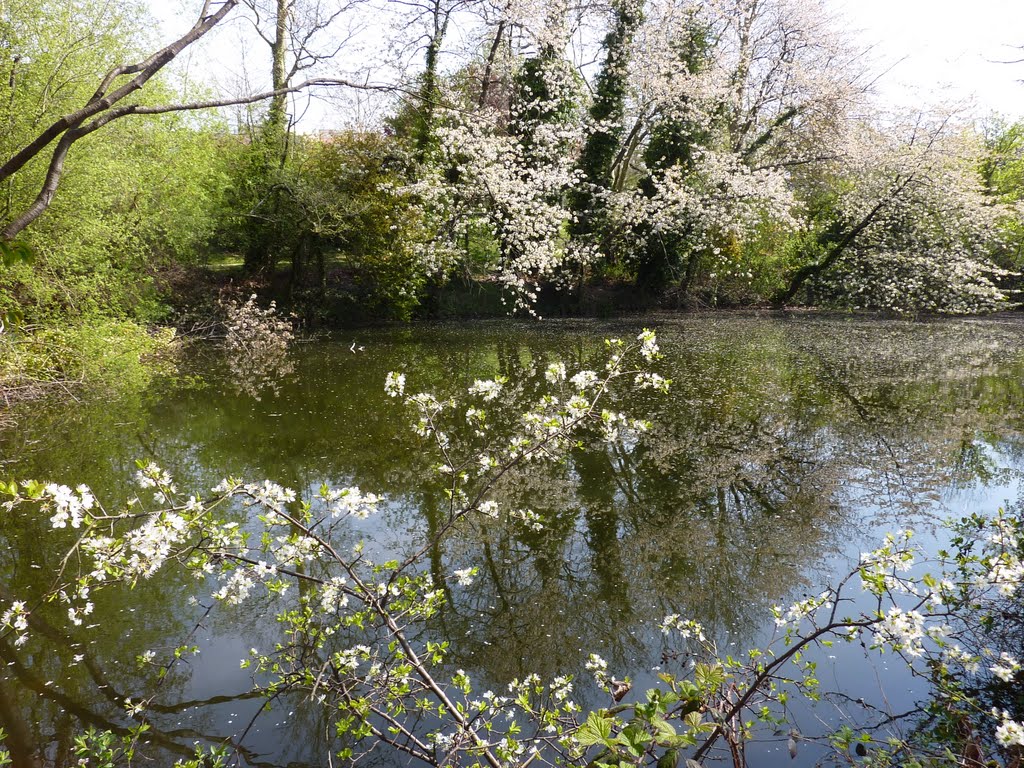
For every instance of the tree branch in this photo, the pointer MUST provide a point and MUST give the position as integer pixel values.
(101, 101)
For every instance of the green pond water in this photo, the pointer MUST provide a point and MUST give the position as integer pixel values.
(785, 447)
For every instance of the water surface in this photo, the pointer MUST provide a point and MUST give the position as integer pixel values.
(785, 446)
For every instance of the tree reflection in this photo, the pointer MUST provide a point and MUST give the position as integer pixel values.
(780, 445)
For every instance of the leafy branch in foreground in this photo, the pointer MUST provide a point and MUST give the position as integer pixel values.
(355, 633)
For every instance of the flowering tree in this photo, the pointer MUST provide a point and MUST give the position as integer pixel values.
(906, 223)
(733, 150)
(675, 155)
(732, 95)
(507, 176)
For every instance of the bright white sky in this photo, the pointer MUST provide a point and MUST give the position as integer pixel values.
(949, 49)
(940, 51)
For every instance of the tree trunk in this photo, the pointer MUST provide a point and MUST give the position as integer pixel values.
(603, 144)
(277, 115)
(424, 136)
(809, 271)
(270, 155)
(485, 80)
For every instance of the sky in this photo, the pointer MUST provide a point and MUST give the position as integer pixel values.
(943, 50)
(935, 51)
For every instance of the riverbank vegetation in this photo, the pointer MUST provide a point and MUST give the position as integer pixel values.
(549, 159)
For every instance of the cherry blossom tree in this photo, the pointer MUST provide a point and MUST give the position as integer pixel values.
(904, 222)
(732, 97)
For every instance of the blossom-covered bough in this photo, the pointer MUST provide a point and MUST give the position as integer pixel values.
(723, 148)
(355, 634)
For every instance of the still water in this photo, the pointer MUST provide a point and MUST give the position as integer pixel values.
(785, 447)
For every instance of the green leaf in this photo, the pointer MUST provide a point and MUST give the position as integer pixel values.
(634, 738)
(709, 676)
(694, 720)
(12, 253)
(663, 730)
(596, 730)
(688, 690)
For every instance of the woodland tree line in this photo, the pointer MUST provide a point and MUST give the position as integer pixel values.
(667, 152)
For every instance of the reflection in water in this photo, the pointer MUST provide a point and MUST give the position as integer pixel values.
(256, 348)
(783, 447)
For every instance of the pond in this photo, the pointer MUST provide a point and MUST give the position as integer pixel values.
(785, 446)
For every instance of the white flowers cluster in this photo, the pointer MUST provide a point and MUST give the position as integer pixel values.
(880, 568)
(941, 279)
(394, 384)
(159, 480)
(801, 609)
(465, 576)
(720, 195)
(153, 476)
(488, 389)
(561, 688)
(649, 349)
(332, 595)
(429, 407)
(69, 507)
(650, 380)
(79, 593)
(268, 494)
(75, 615)
(585, 380)
(906, 631)
(352, 502)
(1003, 536)
(555, 373)
(1009, 733)
(348, 659)
(1006, 571)
(16, 619)
(598, 667)
(134, 708)
(617, 427)
(687, 628)
(296, 549)
(147, 547)
(1003, 567)
(238, 587)
(957, 655)
(1006, 668)
(525, 686)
